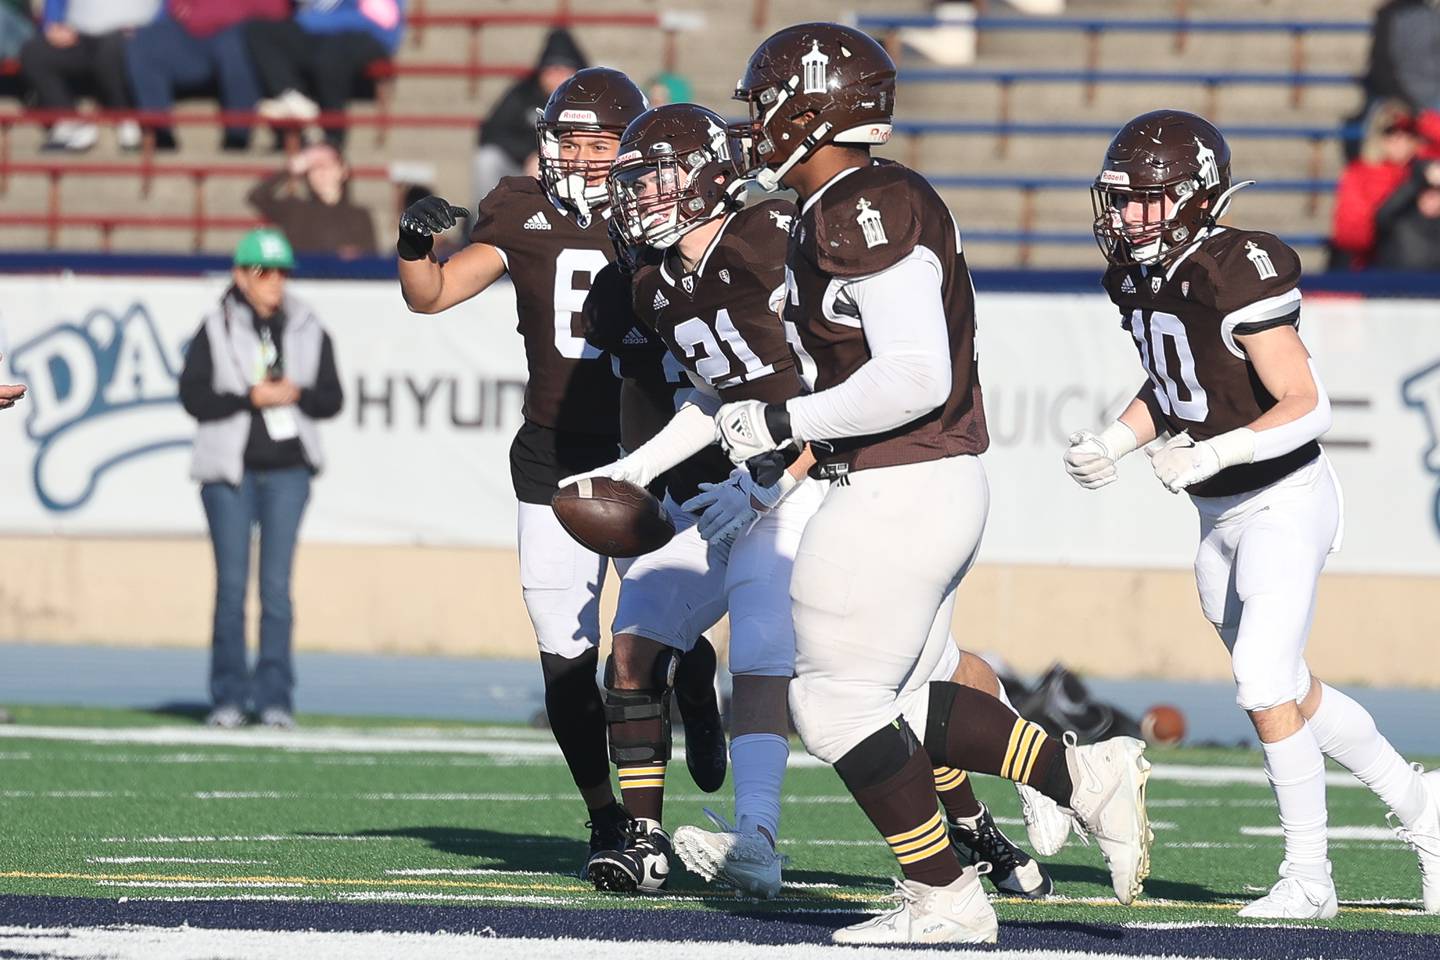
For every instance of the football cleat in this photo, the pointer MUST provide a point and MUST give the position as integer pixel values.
(642, 865)
(607, 832)
(1012, 870)
(956, 913)
(745, 861)
(705, 752)
(1046, 824)
(1296, 898)
(1109, 801)
(1424, 839)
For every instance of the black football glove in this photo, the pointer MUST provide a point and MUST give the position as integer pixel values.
(421, 221)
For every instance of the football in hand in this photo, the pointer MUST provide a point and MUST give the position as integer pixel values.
(612, 517)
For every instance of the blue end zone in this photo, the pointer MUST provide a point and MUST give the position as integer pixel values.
(1222, 943)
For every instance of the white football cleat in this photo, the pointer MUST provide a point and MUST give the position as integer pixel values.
(1296, 898)
(1047, 825)
(745, 861)
(1424, 839)
(1109, 801)
(958, 913)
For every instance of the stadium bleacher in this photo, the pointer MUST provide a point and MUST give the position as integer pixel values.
(1028, 118)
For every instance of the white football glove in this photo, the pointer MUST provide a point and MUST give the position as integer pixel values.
(732, 508)
(1091, 458)
(629, 469)
(740, 428)
(1182, 462)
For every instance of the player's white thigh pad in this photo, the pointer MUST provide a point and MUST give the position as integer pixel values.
(561, 583)
(673, 594)
(762, 632)
(940, 654)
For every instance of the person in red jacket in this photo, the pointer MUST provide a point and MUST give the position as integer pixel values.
(1392, 140)
(196, 43)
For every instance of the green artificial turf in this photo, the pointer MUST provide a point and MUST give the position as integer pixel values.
(215, 820)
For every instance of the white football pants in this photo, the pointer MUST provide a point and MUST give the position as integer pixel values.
(1259, 559)
(561, 581)
(874, 592)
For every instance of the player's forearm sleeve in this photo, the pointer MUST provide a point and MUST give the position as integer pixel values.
(691, 430)
(902, 311)
(1246, 445)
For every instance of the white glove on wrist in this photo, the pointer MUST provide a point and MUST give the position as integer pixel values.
(741, 429)
(1182, 462)
(731, 508)
(1091, 458)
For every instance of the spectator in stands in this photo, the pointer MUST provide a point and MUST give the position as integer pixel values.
(84, 40)
(507, 137)
(10, 393)
(194, 43)
(1405, 54)
(669, 87)
(1407, 226)
(310, 202)
(15, 27)
(1391, 143)
(310, 64)
(259, 373)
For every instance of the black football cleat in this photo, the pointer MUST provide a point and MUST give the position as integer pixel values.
(642, 865)
(607, 832)
(1012, 870)
(705, 748)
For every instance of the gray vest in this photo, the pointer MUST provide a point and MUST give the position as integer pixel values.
(219, 453)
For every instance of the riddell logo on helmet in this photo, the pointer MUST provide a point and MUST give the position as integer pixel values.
(578, 116)
(1119, 177)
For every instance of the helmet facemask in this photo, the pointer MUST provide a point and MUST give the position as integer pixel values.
(660, 200)
(572, 180)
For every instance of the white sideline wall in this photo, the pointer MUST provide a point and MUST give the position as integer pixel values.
(408, 544)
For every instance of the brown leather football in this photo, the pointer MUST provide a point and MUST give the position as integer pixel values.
(612, 517)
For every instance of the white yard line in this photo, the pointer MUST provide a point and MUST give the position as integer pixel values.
(199, 884)
(1384, 834)
(221, 860)
(184, 943)
(494, 742)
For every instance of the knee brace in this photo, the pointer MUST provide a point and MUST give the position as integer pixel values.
(639, 720)
(878, 757)
(937, 725)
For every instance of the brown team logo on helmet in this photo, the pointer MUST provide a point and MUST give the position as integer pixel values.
(1165, 180)
(594, 100)
(809, 85)
(675, 171)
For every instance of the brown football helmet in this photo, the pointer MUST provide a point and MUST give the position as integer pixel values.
(675, 171)
(809, 85)
(1171, 170)
(594, 100)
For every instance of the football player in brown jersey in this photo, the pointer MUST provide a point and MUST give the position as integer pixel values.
(1214, 312)
(706, 295)
(550, 236)
(880, 294)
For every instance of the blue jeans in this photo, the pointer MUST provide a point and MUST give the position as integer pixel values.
(161, 57)
(274, 499)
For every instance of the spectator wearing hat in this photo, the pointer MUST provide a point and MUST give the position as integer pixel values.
(84, 40)
(258, 375)
(309, 65)
(310, 202)
(1391, 142)
(507, 137)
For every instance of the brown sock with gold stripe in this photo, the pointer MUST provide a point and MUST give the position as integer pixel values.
(642, 789)
(970, 729)
(902, 807)
(956, 794)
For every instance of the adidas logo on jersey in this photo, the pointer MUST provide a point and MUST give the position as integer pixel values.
(635, 338)
(537, 221)
(660, 301)
(1127, 285)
